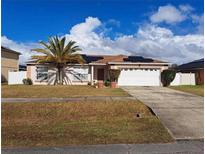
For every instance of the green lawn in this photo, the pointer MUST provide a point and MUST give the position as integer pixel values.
(26, 91)
(80, 123)
(197, 89)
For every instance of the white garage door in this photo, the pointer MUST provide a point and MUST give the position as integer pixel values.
(139, 77)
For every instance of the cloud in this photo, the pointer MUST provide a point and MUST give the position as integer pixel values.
(161, 43)
(186, 8)
(113, 22)
(149, 41)
(92, 42)
(86, 27)
(168, 14)
(23, 48)
(199, 20)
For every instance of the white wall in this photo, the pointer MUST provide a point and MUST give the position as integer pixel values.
(184, 79)
(176, 80)
(16, 77)
(139, 77)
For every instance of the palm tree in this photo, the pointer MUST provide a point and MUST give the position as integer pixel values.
(57, 52)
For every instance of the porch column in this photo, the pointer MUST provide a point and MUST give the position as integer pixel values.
(92, 74)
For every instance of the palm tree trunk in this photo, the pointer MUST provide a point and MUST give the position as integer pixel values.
(60, 78)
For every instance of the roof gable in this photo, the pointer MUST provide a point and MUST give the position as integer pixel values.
(9, 50)
(197, 64)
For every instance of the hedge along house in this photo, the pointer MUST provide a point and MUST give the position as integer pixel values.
(135, 71)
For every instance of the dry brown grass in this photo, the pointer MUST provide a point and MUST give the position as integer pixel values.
(26, 91)
(96, 122)
(197, 89)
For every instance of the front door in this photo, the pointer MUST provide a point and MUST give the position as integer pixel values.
(100, 75)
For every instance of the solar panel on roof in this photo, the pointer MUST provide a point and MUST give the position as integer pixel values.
(90, 59)
(137, 59)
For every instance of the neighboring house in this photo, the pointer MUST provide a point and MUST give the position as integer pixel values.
(9, 62)
(196, 67)
(135, 71)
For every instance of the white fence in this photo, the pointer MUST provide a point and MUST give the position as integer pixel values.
(184, 79)
(16, 77)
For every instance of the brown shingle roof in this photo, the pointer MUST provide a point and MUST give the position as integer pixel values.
(9, 50)
(122, 58)
(106, 59)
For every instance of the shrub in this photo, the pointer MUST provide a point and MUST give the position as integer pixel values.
(107, 83)
(167, 76)
(27, 81)
(114, 74)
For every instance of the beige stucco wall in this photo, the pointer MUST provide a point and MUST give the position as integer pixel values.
(9, 55)
(8, 64)
(28, 73)
(32, 74)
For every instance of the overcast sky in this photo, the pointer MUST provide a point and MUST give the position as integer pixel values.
(166, 30)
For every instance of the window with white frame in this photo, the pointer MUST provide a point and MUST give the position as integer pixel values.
(42, 73)
(80, 77)
(80, 74)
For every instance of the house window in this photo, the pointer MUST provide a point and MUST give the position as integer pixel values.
(79, 74)
(42, 73)
(80, 77)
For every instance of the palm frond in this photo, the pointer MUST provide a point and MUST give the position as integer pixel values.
(62, 43)
(44, 44)
(57, 45)
(52, 44)
(68, 47)
(42, 61)
(42, 51)
(56, 51)
(75, 58)
(75, 49)
(38, 57)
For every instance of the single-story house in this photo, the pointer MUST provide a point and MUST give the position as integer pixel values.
(196, 67)
(135, 71)
(9, 62)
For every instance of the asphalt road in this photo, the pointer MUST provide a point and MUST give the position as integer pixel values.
(180, 147)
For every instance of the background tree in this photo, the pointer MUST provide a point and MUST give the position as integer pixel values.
(167, 76)
(59, 53)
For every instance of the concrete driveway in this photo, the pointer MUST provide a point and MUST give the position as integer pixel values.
(180, 112)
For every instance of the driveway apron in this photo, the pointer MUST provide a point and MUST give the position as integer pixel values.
(181, 113)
